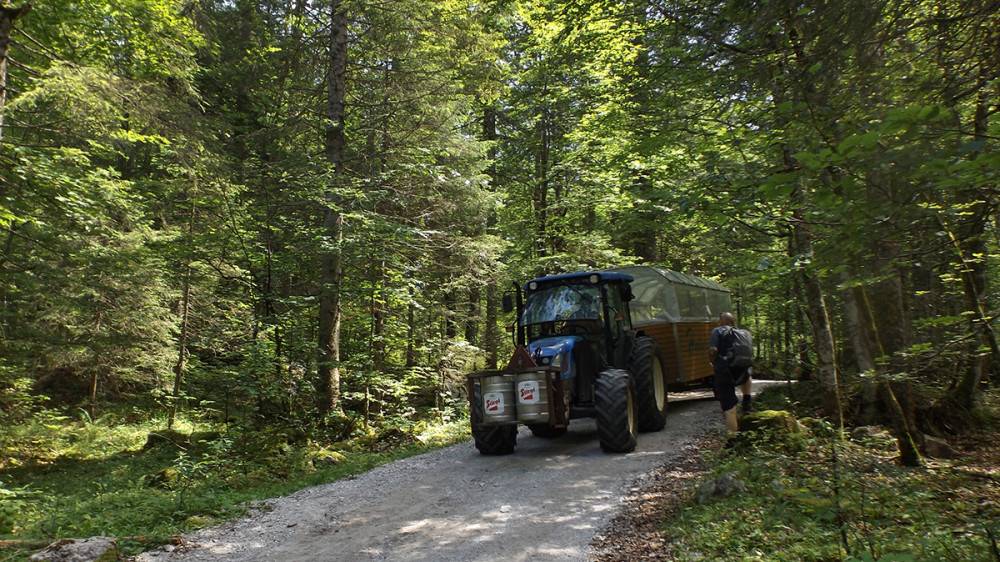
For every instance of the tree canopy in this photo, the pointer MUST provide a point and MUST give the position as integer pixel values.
(307, 210)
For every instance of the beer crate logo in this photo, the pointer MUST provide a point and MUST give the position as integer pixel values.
(527, 392)
(493, 403)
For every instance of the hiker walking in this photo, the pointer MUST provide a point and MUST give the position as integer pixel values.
(731, 353)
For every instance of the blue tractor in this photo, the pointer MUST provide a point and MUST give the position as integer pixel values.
(577, 355)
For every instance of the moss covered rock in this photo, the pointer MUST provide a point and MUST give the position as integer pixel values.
(168, 479)
(166, 437)
(326, 457)
(778, 422)
(197, 522)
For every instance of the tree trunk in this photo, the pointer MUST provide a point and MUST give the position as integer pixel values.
(974, 283)
(902, 424)
(541, 195)
(492, 333)
(181, 349)
(450, 326)
(888, 320)
(98, 351)
(971, 255)
(826, 368)
(856, 327)
(182, 340)
(7, 17)
(378, 317)
(92, 393)
(886, 300)
(644, 242)
(492, 336)
(871, 407)
(888, 310)
(331, 274)
(472, 320)
(909, 455)
(856, 314)
(411, 328)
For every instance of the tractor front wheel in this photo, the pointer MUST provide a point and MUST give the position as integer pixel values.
(616, 423)
(496, 439)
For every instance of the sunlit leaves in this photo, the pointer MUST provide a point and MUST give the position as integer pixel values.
(134, 39)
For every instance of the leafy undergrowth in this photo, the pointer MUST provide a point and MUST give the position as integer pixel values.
(811, 496)
(61, 478)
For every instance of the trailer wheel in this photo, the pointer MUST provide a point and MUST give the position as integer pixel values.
(546, 431)
(616, 424)
(496, 439)
(646, 365)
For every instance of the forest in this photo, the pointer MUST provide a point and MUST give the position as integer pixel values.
(299, 217)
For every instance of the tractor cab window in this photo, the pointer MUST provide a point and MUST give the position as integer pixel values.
(616, 304)
(562, 310)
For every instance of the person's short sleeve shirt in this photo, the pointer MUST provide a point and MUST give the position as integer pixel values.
(717, 340)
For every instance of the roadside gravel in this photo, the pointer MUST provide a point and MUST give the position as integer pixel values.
(634, 532)
(561, 499)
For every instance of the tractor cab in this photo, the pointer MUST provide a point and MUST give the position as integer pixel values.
(578, 323)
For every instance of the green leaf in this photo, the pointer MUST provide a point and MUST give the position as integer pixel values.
(862, 141)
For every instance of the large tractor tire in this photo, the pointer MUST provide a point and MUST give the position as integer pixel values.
(493, 439)
(546, 431)
(616, 423)
(646, 365)
(496, 439)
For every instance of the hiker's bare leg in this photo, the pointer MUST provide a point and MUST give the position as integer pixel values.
(732, 426)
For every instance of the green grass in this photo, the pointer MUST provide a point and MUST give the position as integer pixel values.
(812, 496)
(64, 478)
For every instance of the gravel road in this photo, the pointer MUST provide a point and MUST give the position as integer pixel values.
(547, 501)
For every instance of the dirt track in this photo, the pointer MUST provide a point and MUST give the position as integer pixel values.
(545, 502)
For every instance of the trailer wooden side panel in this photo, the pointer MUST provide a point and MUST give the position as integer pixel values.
(685, 349)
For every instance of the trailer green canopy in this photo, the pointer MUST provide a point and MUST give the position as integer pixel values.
(662, 295)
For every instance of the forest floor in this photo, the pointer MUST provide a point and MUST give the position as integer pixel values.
(809, 496)
(636, 531)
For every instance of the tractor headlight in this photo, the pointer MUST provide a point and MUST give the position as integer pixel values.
(557, 361)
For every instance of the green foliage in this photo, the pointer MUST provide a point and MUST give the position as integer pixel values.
(847, 499)
(17, 402)
(15, 504)
(72, 479)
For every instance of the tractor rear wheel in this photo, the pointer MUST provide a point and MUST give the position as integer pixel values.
(646, 365)
(616, 424)
(496, 439)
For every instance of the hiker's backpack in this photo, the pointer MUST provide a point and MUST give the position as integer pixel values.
(739, 354)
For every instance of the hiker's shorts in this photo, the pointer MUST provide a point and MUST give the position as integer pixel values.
(725, 390)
